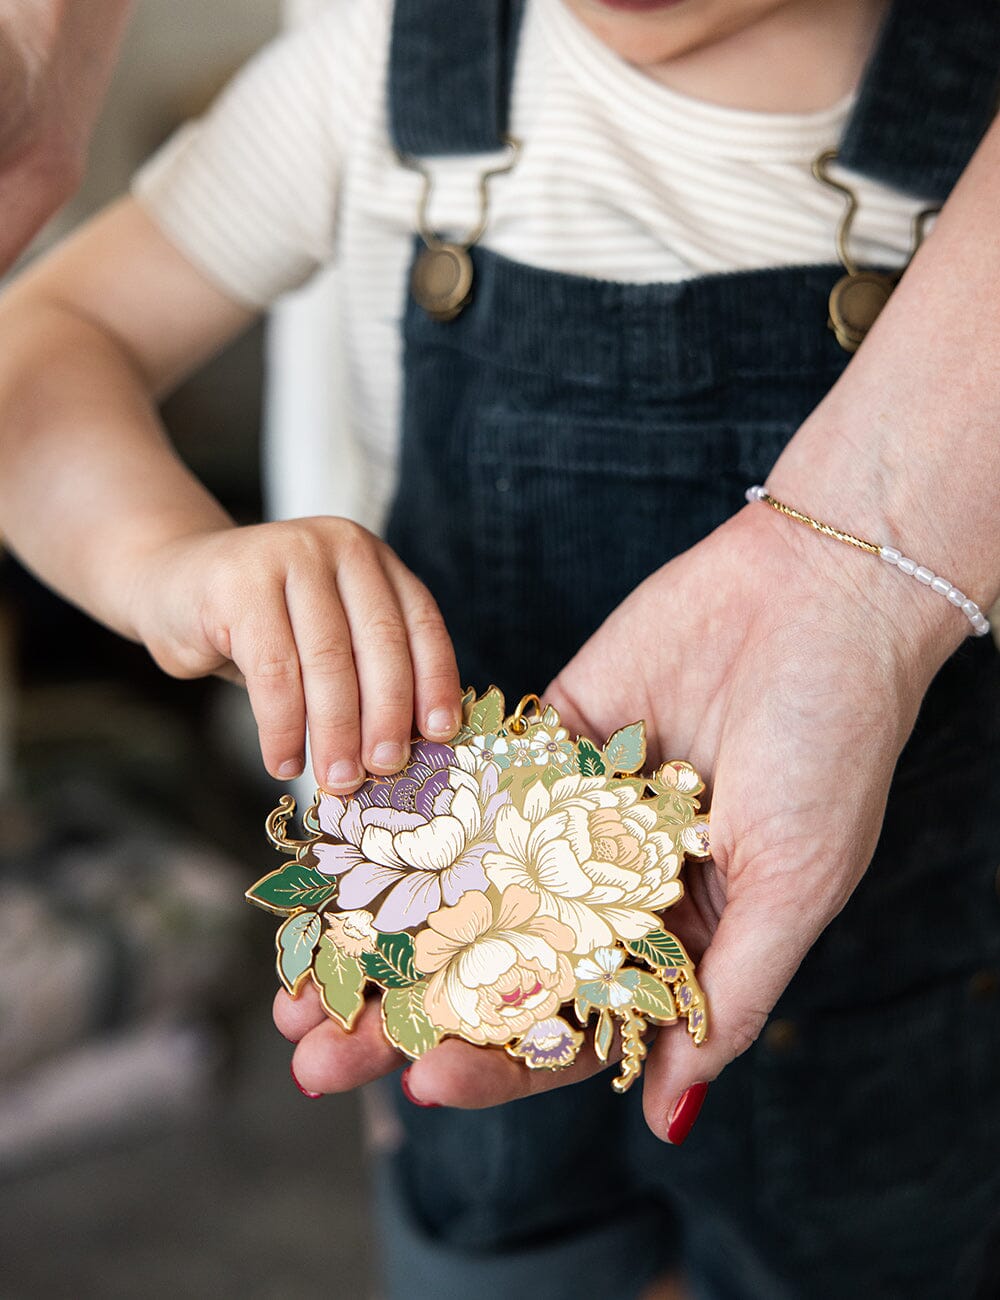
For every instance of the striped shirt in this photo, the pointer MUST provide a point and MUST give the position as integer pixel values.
(619, 178)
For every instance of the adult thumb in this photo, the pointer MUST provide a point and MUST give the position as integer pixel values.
(756, 949)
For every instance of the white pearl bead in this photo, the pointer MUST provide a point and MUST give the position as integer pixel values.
(969, 608)
(891, 555)
(907, 566)
(924, 575)
(955, 596)
(941, 585)
(981, 624)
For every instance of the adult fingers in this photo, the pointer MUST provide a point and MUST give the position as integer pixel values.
(436, 684)
(329, 1059)
(294, 1017)
(473, 1078)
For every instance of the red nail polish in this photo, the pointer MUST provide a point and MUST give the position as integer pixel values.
(685, 1112)
(404, 1083)
(305, 1091)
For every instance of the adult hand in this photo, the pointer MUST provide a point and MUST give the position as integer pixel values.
(775, 662)
(56, 58)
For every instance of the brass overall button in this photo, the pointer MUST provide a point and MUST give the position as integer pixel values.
(855, 303)
(442, 280)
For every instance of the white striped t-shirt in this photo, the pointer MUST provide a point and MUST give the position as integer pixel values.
(619, 178)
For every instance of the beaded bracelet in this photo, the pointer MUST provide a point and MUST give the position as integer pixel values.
(980, 623)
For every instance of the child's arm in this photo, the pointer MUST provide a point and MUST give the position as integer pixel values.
(318, 616)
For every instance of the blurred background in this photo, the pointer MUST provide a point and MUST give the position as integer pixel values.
(151, 1140)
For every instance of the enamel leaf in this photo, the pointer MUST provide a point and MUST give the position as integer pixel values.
(296, 942)
(626, 750)
(340, 981)
(406, 1022)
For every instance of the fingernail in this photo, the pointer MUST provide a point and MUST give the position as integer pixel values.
(685, 1112)
(305, 1091)
(408, 1092)
(291, 767)
(343, 773)
(443, 722)
(388, 754)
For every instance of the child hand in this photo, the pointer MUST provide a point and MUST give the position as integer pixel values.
(322, 622)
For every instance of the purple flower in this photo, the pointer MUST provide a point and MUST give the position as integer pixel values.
(418, 838)
(550, 1044)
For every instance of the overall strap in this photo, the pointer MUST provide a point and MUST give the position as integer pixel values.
(450, 68)
(929, 93)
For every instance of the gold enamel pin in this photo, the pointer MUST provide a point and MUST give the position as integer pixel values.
(497, 889)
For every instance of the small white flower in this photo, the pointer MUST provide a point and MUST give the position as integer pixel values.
(491, 750)
(601, 964)
(548, 747)
(694, 838)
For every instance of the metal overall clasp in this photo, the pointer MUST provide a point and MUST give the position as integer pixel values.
(859, 296)
(442, 276)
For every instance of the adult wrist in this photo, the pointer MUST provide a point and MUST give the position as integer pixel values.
(916, 628)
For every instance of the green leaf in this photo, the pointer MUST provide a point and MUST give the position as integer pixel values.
(582, 1007)
(604, 1035)
(626, 750)
(486, 715)
(296, 942)
(653, 998)
(291, 888)
(392, 964)
(550, 718)
(340, 981)
(660, 949)
(550, 776)
(588, 759)
(406, 1022)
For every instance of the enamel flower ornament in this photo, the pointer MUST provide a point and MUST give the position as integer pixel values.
(506, 888)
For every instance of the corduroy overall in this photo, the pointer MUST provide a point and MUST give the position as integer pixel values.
(560, 420)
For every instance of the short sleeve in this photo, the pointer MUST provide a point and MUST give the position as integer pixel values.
(249, 193)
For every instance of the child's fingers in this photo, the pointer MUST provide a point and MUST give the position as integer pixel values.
(264, 650)
(436, 684)
(382, 659)
(330, 682)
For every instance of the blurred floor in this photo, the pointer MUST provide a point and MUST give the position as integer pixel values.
(260, 1195)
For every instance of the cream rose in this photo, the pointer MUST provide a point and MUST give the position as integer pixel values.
(496, 968)
(593, 855)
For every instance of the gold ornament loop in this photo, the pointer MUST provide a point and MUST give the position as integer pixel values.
(516, 722)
